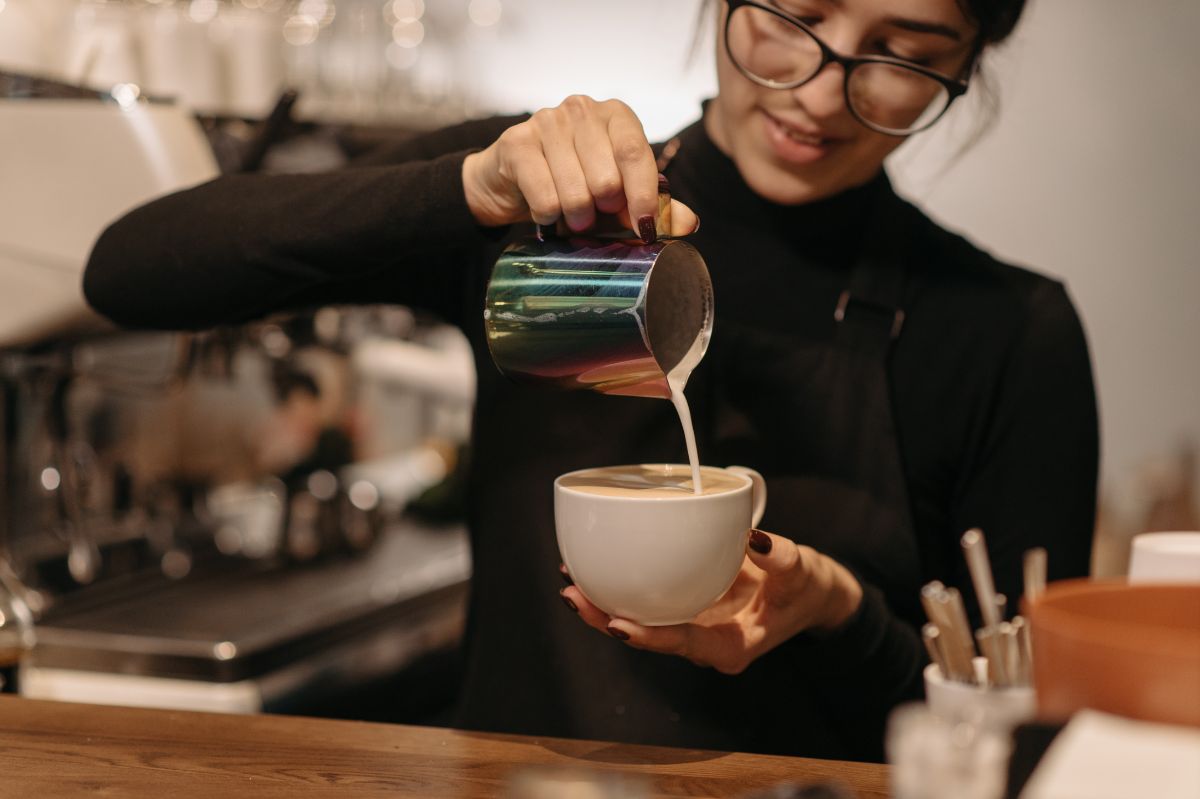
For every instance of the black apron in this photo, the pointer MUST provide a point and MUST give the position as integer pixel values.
(835, 478)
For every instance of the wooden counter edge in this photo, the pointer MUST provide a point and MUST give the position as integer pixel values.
(66, 749)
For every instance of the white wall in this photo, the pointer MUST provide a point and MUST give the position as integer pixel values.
(634, 50)
(1091, 172)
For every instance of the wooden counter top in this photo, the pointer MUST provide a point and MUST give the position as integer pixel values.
(55, 749)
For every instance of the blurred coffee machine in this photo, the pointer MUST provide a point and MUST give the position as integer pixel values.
(217, 521)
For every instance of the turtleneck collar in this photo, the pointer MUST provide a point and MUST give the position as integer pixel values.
(713, 176)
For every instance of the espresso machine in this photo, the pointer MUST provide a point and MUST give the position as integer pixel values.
(253, 518)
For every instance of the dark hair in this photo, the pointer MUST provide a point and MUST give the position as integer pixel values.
(995, 19)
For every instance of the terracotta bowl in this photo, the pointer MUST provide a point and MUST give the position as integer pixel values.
(1132, 650)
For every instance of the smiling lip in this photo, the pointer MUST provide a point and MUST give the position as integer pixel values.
(795, 144)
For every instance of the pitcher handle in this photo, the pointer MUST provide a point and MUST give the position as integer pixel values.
(758, 490)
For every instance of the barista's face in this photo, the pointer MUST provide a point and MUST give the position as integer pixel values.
(798, 145)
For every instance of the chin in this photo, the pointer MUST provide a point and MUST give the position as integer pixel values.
(783, 187)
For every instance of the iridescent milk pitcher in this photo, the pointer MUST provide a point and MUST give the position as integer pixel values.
(605, 311)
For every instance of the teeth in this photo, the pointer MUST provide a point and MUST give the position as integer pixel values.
(796, 135)
(802, 137)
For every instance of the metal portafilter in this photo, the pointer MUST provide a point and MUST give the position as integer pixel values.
(313, 518)
(17, 635)
(332, 513)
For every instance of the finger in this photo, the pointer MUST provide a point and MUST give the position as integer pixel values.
(772, 553)
(595, 153)
(694, 642)
(684, 221)
(565, 574)
(639, 174)
(532, 175)
(558, 145)
(537, 186)
(591, 615)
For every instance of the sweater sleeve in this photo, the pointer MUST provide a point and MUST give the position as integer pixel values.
(1033, 480)
(391, 229)
(864, 669)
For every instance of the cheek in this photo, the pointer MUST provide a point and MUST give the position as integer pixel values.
(872, 148)
(735, 92)
(733, 110)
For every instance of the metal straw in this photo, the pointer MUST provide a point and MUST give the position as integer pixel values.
(929, 634)
(929, 596)
(1035, 574)
(991, 646)
(1006, 634)
(960, 638)
(975, 551)
(954, 635)
(1024, 674)
(1006, 645)
(1001, 606)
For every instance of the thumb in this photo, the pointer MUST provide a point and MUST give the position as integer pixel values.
(772, 553)
(491, 199)
(684, 221)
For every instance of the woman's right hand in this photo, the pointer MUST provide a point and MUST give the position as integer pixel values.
(574, 160)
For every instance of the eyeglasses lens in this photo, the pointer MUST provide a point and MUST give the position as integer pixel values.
(775, 53)
(895, 98)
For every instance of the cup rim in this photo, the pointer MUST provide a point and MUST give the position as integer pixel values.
(747, 485)
(1167, 542)
(933, 676)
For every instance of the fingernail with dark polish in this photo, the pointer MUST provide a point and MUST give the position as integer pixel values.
(566, 576)
(646, 229)
(567, 601)
(664, 185)
(620, 635)
(760, 542)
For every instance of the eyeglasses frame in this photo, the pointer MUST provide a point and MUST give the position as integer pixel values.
(955, 87)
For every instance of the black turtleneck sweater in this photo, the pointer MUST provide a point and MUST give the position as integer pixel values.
(991, 393)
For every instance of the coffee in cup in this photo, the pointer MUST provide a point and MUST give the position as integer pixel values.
(642, 544)
(650, 481)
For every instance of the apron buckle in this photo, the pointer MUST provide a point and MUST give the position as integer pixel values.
(844, 299)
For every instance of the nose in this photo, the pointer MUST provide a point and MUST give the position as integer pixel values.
(824, 96)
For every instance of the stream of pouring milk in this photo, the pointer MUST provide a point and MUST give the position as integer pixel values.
(676, 380)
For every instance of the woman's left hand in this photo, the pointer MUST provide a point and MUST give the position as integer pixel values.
(782, 589)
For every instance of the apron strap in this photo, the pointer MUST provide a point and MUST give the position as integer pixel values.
(664, 153)
(870, 309)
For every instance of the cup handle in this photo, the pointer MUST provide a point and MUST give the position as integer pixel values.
(758, 491)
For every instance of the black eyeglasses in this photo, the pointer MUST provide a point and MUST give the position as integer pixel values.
(888, 95)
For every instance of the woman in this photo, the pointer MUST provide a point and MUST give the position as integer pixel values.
(895, 384)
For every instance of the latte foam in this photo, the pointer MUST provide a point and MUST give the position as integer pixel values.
(667, 481)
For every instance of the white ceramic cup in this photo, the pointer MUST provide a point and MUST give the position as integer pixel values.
(1172, 557)
(657, 560)
(991, 707)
